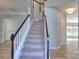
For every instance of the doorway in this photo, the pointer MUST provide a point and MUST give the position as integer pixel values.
(7, 29)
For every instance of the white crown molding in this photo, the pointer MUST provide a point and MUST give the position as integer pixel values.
(13, 13)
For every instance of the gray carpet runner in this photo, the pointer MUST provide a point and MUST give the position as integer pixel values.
(34, 44)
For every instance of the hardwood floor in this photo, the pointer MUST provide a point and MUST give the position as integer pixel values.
(68, 51)
(5, 50)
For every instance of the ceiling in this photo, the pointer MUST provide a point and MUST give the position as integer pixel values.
(13, 5)
(20, 6)
(61, 4)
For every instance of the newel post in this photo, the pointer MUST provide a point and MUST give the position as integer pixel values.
(12, 46)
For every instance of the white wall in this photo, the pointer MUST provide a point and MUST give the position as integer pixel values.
(55, 27)
(72, 20)
(30, 5)
(0, 29)
(36, 12)
(73, 16)
(62, 27)
(16, 18)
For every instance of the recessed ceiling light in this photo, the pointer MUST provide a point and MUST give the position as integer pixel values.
(70, 10)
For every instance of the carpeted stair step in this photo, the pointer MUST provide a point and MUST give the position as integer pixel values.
(33, 49)
(31, 57)
(34, 44)
(33, 53)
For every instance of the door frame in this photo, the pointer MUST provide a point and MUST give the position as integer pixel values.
(4, 29)
(2, 32)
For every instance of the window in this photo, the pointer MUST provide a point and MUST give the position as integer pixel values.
(72, 27)
(72, 30)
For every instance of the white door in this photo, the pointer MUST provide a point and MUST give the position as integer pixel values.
(8, 28)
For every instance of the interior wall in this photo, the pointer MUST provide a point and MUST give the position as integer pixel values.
(0, 24)
(73, 16)
(31, 9)
(36, 12)
(62, 27)
(0, 29)
(52, 26)
(56, 27)
(17, 19)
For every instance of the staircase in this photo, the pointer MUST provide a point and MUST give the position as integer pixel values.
(34, 47)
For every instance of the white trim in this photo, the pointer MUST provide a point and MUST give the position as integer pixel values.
(45, 40)
(4, 29)
(1, 39)
(18, 51)
(14, 13)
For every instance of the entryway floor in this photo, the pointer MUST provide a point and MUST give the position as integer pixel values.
(68, 51)
(5, 50)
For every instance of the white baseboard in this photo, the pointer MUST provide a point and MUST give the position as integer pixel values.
(17, 52)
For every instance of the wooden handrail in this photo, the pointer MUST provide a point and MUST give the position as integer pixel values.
(47, 49)
(21, 25)
(38, 2)
(46, 26)
(47, 36)
(14, 35)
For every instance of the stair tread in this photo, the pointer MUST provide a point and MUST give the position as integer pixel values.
(29, 49)
(32, 57)
(33, 53)
(37, 36)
